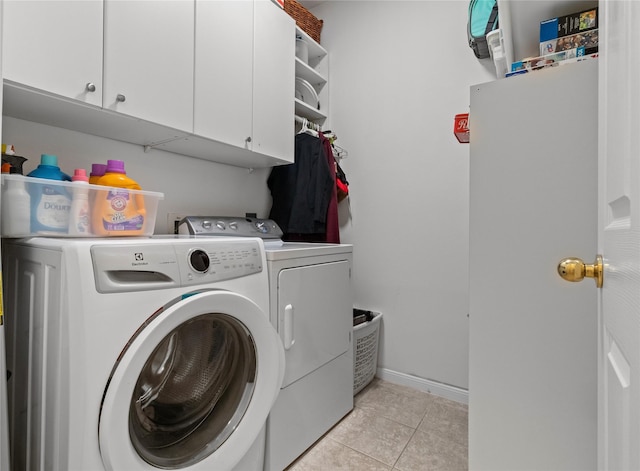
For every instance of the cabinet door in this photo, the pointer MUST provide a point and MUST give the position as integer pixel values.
(55, 46)
(273, 81)
(223, 105)
(148, 60)
(315, 316)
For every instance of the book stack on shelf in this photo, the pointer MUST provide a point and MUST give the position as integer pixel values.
(563, 40)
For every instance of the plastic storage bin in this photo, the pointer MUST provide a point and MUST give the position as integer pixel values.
(365, 348)
(60, 207)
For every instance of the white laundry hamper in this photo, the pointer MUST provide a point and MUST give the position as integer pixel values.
(365, 349)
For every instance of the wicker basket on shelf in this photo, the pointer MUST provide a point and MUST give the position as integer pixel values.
(304, 19)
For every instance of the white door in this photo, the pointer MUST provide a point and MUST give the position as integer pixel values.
(619, 237)
(4, 418)
(273, 81)
(55, 46)
(532, 345)
(223, 105)
(193, 388)
(148, 60)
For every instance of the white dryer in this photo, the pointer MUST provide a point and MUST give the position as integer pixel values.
(139, 354)
(311, 307)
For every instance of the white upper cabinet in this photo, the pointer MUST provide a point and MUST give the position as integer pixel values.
(212, 79)
(223, 105)
(55, 46)
(273, 81)
(244, 76)
(148, 60)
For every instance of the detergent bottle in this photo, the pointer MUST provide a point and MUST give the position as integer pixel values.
(97, 172)
(50, 203)
(117, 211)
(15, 205)
(79, 222)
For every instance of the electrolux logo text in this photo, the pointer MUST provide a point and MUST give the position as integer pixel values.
(139, 257)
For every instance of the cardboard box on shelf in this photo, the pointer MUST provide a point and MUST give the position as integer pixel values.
(517, 69)
(548, 59)
(588, 40)
(575, 24)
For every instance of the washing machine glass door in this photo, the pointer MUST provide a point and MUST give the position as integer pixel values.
(193, 387)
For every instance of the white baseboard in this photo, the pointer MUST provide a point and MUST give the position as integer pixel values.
(433, 387)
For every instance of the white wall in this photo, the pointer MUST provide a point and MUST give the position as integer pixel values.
(399, 72)
(190, 186)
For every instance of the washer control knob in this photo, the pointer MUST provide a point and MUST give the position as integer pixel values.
(233, 225)
(206, 224)
(199, 261)
(262, 227)
(220, 225)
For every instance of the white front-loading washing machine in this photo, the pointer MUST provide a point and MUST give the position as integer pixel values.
(311, 307)
(139, 354)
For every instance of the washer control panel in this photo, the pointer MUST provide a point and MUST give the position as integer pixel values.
(230, 226)
(216, 261)
(139, 267)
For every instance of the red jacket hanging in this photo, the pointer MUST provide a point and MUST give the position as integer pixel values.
(332, 226)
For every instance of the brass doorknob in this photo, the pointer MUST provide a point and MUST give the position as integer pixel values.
(574, 269)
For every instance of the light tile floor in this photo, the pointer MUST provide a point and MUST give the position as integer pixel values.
(393, 427)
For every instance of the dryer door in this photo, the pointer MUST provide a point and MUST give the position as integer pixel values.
(194, 386)
(315, 318)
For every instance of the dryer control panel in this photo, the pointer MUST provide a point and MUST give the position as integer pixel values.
(230, 226)
(148, 266)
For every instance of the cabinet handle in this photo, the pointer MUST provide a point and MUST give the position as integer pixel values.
(248, 139)
(90, 87)
(121, 98)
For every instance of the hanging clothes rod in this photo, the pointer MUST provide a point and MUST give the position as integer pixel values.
(309, 124)
(338, 152)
